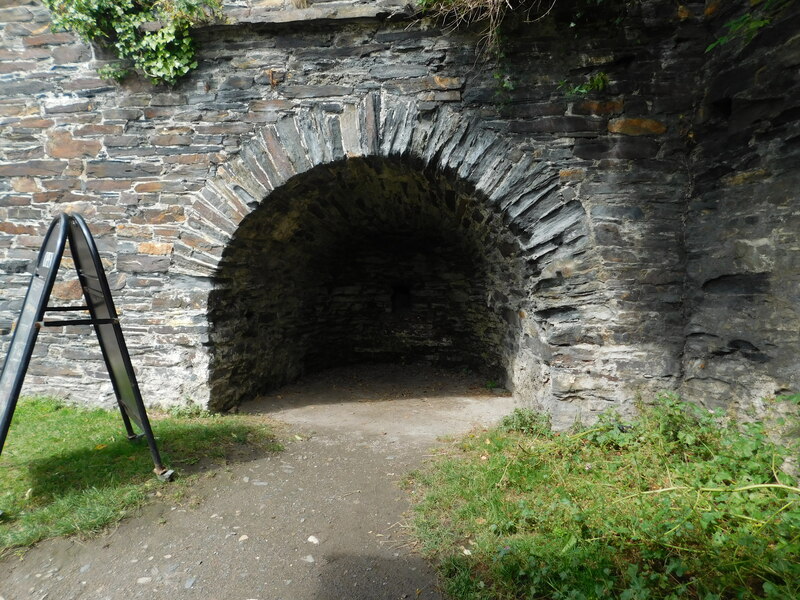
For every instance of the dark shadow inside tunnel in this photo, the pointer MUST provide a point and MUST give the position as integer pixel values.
(362, 261)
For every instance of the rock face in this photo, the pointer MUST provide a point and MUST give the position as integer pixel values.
(742, 219)
(338, 183)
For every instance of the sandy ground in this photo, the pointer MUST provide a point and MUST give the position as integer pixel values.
(325, 519)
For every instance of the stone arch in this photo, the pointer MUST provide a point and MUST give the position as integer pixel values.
(535, 214)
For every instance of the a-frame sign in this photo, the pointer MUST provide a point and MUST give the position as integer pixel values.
(102, 315)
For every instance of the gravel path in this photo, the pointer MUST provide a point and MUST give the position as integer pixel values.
(322, 520)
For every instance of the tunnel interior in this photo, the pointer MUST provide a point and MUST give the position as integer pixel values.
(362, 261)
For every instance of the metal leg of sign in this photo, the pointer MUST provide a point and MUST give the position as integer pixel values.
(23, 339)
(33, 308)
(160, 470)
(97, 294)
(132, 435)
(103, 317)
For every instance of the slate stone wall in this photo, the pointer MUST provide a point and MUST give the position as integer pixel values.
(282, 207)
(743, 219)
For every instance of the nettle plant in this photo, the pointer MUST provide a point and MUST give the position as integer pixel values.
(151, 37)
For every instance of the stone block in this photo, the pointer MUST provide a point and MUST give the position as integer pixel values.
(228, 128)
(572, 174)
(61, 144)
(423, 84)
(399, 71)
(189, 159)
(15, 67)
(68, 107)
(171, 140)
(58, 196)
(49, 39)
(67, 290)
(121, 169)
(597, 107)
(630, 126)
(15, 14)
(78, 53)
(271, 105)
(617, 213)
(237, 82)
(14, 229)
(566, 124)
(156, 248)
(446, 96)
(132, 263)
(24, 184)
(315, 91)
(158, 216)
(745, 177)
(620, 148)
(121, 141)
(25, 87)
(14, 109)
(35, 123)
(122, 114)
(34, 168)
(167, 99)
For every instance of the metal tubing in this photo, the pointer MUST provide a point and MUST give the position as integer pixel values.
(109, 333)
(75, 322)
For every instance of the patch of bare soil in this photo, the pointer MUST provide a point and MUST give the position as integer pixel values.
(322, 520)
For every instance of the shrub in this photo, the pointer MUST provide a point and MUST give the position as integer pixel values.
(152, 37)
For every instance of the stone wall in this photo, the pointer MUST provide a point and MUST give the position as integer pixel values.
(742, 221)
(337, 182)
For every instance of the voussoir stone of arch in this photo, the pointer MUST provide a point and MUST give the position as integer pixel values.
(511, 179)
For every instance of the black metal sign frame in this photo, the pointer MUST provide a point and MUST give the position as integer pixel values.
(102, 316)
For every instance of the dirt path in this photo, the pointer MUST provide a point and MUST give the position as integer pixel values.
(322, 520)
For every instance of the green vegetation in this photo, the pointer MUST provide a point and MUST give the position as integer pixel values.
(492, 14)
(677, 504)
(594, 83)
(603, 14)
(152, 37)
(69, 470)
(747, 25)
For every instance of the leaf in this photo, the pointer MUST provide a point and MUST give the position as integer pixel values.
(570, 544)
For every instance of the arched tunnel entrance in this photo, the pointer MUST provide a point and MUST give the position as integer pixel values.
(359, 261)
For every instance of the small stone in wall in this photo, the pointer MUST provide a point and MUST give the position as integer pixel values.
(67, 290)
(636, 126)
(744, 177)
(61, 144)
(155, 248)
(572, 174)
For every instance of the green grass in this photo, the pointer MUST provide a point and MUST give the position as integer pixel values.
(678, 504)
(68, 470)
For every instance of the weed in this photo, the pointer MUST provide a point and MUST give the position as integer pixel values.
(190, 410)
(595, 83)
(677, 503)
(527, 421)
(747, 25)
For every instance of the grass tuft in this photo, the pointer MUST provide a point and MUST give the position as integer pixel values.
(68, 470)
(678, 503)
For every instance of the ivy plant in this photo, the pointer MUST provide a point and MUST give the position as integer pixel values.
(151, 37)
